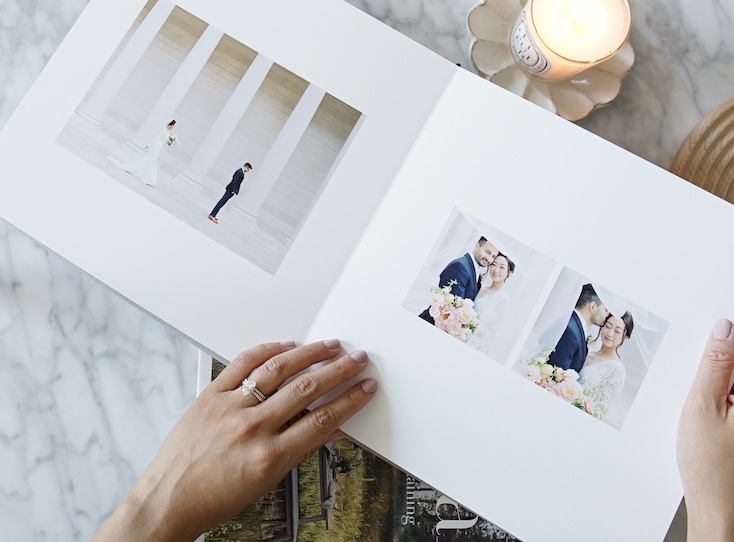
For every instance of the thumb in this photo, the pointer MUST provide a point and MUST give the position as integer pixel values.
(713, 379)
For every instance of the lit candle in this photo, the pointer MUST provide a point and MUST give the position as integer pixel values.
(555, 39)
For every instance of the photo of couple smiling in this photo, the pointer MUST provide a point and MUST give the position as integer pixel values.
(591, 347)
(479, 285)
(583, 343)
(480, 277)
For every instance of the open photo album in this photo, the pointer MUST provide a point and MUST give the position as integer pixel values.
(533, 299)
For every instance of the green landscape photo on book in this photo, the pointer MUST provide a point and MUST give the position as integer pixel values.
(343, 493)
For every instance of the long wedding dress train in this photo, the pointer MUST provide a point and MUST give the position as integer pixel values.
(145, 168)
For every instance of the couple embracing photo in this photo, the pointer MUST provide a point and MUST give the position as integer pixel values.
(591, 347)
(470, 302)
(594, 355)
(479, 285)
(559, 329)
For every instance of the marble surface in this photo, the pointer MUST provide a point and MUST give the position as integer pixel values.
(89, 385)
(684, 51)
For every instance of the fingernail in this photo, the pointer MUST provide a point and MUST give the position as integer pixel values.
(369, 385)
(288, 344)
(332, 343)
(722, 329)
(359, 356)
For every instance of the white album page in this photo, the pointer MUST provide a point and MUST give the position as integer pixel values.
(215, 163)
(552, 429)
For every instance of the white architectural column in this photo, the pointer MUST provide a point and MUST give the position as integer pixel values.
(178, 86)
(226, 122)
(125, 62)
(266, 175)
(332, 169)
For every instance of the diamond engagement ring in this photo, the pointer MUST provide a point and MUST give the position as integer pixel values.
(249, 387)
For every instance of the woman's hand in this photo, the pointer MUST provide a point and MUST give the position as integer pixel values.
(228, 449)
(706, 442)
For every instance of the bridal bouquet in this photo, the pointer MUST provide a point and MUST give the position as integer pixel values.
(172, 140)
(562, 383)
(453, 314)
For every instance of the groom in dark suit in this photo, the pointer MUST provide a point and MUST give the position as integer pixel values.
(232, 189)
(465, 271)
(572, 348)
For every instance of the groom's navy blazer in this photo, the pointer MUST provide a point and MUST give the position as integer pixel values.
(461, 270)
(571, 350)
(236, 182)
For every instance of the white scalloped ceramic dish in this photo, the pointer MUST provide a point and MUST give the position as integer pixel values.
(490, 24)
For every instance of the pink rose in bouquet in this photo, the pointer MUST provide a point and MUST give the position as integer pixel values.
(562, 383)
(453, 315)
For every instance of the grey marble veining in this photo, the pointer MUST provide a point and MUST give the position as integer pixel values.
(90, 385)
(684, 54)
(438, 25)
(683, 69)
(30, 31)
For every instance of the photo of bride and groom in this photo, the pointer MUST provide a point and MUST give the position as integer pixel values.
(591, 348)
(145, 168)
(562, 331)
(483, 296)
(479, 277)
(181, 111)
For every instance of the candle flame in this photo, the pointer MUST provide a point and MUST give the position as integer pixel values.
(578, 14)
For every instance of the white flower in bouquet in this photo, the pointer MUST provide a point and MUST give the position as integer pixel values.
(449, 298)
(570, 390)
(466, 315)
(439, 296)
(465, 334)
(532, 372)
(437, 299)
(571, 375)
(546, 370)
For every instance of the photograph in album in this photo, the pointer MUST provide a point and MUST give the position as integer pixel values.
(479, 285)
(223, 138)
(591, 347)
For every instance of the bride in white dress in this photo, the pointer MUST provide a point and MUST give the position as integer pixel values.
(492, 303)
(145, 168)
(603, 373)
